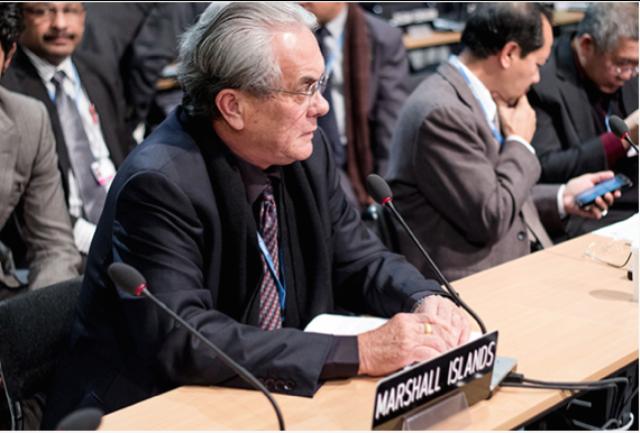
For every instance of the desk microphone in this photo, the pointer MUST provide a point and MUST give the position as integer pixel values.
(130, 280)
(381, 193)
(87, 419)
(621, 130)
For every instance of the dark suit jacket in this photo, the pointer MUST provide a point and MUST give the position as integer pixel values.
(23, 78)
(165, 215)
(468, 201)
(388, 86)
(566, 141)
(136, 41)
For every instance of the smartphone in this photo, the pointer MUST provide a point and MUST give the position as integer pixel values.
(586, 198)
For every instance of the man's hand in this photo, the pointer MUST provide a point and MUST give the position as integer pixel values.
(404, 339)
(450, 321)
(632, 123)
(519, 119)
(580, 184)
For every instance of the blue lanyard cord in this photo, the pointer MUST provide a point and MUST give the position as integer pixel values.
(494, 131)
(606, 119)
(282, 292)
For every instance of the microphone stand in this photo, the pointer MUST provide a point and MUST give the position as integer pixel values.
(443, 280)
(240, 370)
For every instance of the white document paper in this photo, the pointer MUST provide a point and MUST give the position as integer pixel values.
(335, 324)
(628, 229)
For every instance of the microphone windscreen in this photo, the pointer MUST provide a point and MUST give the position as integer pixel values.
(83, 419)
(618, 126)
(378, 188)
(126, 277)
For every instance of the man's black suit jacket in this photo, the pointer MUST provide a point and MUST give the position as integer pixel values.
(566, 141)
(177, 211)
(22, 77)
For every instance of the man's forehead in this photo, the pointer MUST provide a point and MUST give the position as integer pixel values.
(627, 48)
(298, 55)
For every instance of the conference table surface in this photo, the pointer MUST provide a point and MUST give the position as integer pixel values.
(561, 314)
(438, 38)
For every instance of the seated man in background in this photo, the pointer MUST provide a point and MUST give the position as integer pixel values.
(368, 76)
(233, 212)
(462, 169)
(84, 107)
(591, 75)
(30, 188)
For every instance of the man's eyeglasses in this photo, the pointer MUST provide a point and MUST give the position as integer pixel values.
(306, 95)
(41, 13)
(622, 69)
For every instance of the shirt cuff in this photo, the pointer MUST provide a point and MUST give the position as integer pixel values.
(522, 141)
(83, 232)
(613, 148)
(560, 200)
(343, 359)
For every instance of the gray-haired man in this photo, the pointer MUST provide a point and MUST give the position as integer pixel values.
(233, 212)
(591, 75)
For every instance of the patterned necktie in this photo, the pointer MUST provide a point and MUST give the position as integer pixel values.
(93, 194)
(270, 315)
(328, 122)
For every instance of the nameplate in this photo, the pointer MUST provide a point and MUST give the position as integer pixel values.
(429, 381)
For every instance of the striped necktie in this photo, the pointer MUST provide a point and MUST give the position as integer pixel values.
(81, 157)
(270, 314)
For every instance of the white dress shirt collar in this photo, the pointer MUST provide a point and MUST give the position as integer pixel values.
(46, 70)
(479, 90)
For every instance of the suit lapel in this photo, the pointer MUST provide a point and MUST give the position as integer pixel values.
(451, 74)
(92, 85)
(573, 94)
(8, 156)
(28, 82)
(630, 96)
(241, 265)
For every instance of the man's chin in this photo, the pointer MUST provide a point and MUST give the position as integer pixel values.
(57, 53)
(304, 151)
(611, 88)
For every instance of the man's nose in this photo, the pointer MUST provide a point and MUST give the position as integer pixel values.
(59, 19)
(536, 78)
(319, 105)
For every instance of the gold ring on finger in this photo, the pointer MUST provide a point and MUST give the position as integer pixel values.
(428, 329)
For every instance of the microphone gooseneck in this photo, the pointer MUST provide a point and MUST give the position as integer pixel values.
(621, 130)
(381, 193)
(130, 280)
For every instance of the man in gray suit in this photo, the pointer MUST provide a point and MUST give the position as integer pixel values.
(30, 187)
(462, 167)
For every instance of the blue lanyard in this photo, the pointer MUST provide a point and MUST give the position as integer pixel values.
(607, 117)
(282, 292)
(494, 131)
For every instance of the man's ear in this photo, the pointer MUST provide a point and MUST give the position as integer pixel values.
(508, 53)
(231, 104)
(587, 45)
(8, 57)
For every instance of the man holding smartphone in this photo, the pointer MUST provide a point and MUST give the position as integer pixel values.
(591, 76)
(462, 168)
